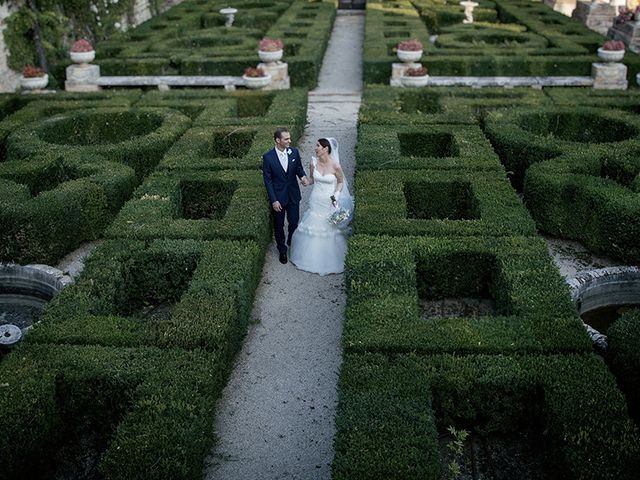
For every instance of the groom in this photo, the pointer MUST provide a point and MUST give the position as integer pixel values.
(280, 167)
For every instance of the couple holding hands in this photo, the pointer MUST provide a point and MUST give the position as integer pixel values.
(318, 243)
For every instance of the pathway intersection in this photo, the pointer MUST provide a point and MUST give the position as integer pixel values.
(275, 419)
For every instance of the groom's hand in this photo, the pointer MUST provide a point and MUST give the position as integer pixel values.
(276, 206)
(304, 181)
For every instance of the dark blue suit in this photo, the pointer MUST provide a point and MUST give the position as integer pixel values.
(283, 187)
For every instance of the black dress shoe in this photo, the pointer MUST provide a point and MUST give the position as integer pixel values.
(283, 258)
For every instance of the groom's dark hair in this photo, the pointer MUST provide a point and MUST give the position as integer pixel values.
(279, 131)
(325, 143)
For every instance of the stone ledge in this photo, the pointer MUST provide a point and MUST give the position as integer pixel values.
(510, 81)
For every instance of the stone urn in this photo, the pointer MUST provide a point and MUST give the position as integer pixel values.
(270, 57)
(610, 55)
(34, 83)
(409, 56)
(82, 57)
(257, 82)
(414, 81)
(229, 14)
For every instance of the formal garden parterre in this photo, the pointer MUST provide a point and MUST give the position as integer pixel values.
(519, 367)
(125, 366)
(128, 362)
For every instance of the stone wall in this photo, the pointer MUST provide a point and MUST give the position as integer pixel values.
(9, 79)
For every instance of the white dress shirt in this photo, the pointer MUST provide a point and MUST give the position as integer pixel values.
(284, 160)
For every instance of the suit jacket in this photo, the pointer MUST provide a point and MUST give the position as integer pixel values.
(282, 186)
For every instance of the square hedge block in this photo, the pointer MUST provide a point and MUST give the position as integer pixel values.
(592, 198)
(49, 205)
(228, 205)
(429, 202)
(382, 105)
(393, 410)
(131, 403)
(226, 147)
(287, 107)
(171, 293)
(434, 147)
(389, 277)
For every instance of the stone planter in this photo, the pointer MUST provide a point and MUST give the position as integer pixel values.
(414, 81)
(257, 82)
(82, 57)
(409, 56)
(34, 83)
(610, 55)
(270, 57)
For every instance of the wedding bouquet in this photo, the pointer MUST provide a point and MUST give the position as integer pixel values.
(339, 216)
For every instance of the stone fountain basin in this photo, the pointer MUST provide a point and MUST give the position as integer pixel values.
(24, 290)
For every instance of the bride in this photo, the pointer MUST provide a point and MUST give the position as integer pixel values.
(318, 245)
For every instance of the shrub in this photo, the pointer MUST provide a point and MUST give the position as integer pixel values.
(136, 137)
(81, 45)
(391, 409)
(590, 197)
(413, 45)
(270, 45)
(416, 72)
(427, 202)
(523, 136)
(29, 71)
(624, 357)
(613, 45)
(206, 205)
(254, 72)
(389, 278)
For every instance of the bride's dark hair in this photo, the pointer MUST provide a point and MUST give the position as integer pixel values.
(325, 143)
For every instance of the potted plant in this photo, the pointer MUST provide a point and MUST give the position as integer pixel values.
(409, 51)
(256, 78)
(33, 78)
(270, 50)
(415, 77)
(612, 51)
(82, 52)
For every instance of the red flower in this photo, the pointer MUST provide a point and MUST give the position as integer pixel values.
(81, 45)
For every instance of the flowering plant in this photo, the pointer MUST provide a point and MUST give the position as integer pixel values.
(270, 45)
(613, 45)
(415, 72)
(627, 15)
(81, 45)
(412, 45)
(29, 71)
(254, 72)
(339, 216)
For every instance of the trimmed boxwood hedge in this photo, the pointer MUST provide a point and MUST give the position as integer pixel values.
(152, 410)
(243, 107)
(50, 205)
(223, 147)
(524, 136)
(624, 357)
(135, 137)
(205, 205)
(30, 111)
(196, 42)
(593, 198)
(171, 293)
(438, 203)
(434, 147)
(557, 46)
(386, 278)
(390, 411)
(382, 105)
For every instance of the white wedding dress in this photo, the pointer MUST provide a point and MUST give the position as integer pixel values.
(318, 246)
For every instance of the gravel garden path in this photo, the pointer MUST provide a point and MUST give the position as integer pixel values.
(275, 419)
